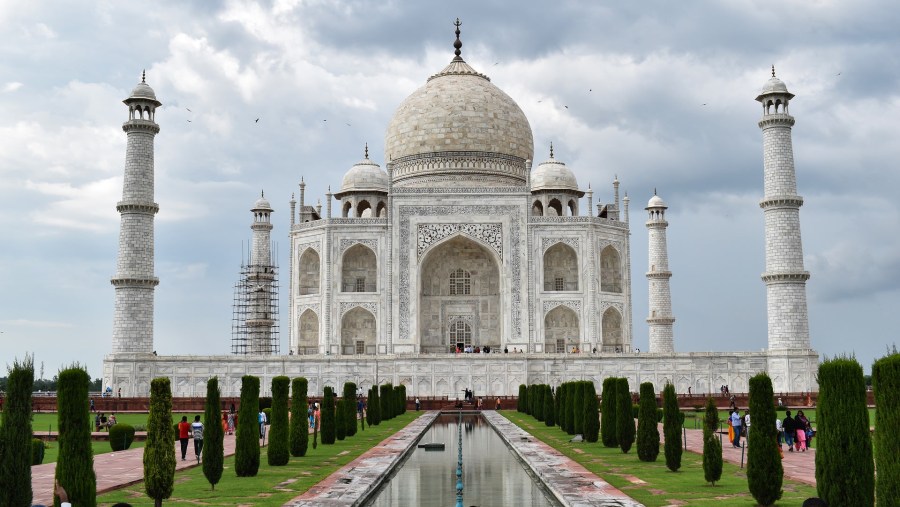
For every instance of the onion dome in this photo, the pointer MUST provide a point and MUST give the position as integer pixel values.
(656, 202)
(364, 176)
(553, 175)
(261, 204)
(774, 86)
(143, 92)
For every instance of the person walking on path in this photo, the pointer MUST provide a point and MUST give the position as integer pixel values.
(184, 433)
(802, 425)
(789, 427)
(417, 404)
(230, 423)
(262, 423)
(197, 433)
(736, 424)
(746, 423)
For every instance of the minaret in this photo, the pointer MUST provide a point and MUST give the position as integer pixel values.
(134, 280)
(660, 320)
(260, 278)
(785, 277)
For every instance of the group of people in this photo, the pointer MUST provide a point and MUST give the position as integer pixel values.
(738, 425)
(468, 349)
(797, 432)
(724, 390)
(187, 431)
(101, 422)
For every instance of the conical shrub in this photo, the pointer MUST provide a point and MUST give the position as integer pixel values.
(672, 428)
(278, 452)
(15, 436)
(712, 445)
(608, 413)
(213, 435)
(591, 413)
(246, 445)
(299, 417)
(75, 464)
(886, 384)
(648, 431)
(328, 417)
(159, 449)
(764, 471)
(624, 417)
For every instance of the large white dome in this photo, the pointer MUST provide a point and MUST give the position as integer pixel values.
(459, 125)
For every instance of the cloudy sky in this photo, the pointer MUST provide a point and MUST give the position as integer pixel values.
(659, 93)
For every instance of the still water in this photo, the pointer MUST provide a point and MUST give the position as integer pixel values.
(492, 474)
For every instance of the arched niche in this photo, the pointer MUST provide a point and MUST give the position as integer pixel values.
(610, 270)
(308, 340)
(537, 209)
(560, 268)
(359, 271)
(612, 334)
(309, 272)
(358, 332)
(561, 330)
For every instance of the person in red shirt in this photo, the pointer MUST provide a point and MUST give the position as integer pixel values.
(184, 433)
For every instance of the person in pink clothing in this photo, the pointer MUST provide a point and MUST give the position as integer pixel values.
(802, 424)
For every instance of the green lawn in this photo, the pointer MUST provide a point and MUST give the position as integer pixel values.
(47, 421)
(51, 449)
(661, 487)
(273, 486)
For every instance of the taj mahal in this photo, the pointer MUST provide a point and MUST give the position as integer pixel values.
(459, 243)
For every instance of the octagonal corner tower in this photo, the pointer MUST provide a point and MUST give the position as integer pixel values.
(458, 129)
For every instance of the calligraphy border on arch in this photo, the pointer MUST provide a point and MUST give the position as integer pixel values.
(489, 233)
(514, 212)
(372, 244)
(574, 304)
(311, 306)
(548, 242)
(346, 306)
(314, 245)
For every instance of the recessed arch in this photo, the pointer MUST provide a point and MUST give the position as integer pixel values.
(560, 268)
(381, 210)
(537, 209)
(308, 339)
(554, 208)
(572, 208)
(363, 209)
(358, 332)
(610, 270)
(359, 271)
(612, 335)
(561, 330)
(309, 272)
(346, 208)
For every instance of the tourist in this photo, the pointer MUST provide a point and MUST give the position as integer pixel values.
(779, 429)
(112, 421)
(97, 422)
(802, 425)
(197, 433)
(498, 403)
(261, 418)
(359, 406)
(310, 416)
(736, 424)
(789, 427)
(505, 350)
(230, 423)
(92, 405)
(103, 421)
(184, 429)
(746, 425)
(780, 403)
(417, 404)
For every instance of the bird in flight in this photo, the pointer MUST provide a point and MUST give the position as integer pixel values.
(567, 107)
(189, 121)
(189, 109)
(257, 120)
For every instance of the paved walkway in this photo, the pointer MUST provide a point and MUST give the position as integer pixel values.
(570, 483)
(798, 466)
(114, 470)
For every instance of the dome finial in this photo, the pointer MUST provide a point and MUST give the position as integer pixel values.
(367, 151)
(551, 149)
(773, 70)
(144, 76)
(262, 193)
(654, 190)
(458, 43)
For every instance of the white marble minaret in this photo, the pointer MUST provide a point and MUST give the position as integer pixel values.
(660, 320)
(134, 280)
(785, 277)
(261, 277)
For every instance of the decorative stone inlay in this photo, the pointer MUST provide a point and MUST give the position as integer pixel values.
(580, 220)
(548, 242)
(314, 245)
(347, 243)
(311, 306)
(603, 243)
(800, 276)
(574, 304)
(460, 190)
(781, 201)
(354, 221)
(490, 234)
(515, 213)
(604, 305)
(347, 306)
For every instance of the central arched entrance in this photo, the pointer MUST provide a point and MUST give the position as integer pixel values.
(459, 297)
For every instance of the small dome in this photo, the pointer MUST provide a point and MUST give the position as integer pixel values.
(774, 85)
(656, 202)
(143, 91)
(261, 204)
(553, 175)
(365, 176)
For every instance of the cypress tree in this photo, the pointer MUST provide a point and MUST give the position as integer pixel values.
(246, 445)
(648, 433)
(764, 471)
(213, 435)
(672, 428)
(328, 417)
(370, 407)
(375, 405)
(578, 408)
(558, 405)
(278, 453)
(159, 451)
(886, 384)
(712, 446)
(539, 402)
(591, 413)
(624, 416)
(350, 408)
(403, 397)
(75, 464)
(399, 401)
(523, 397)
(570, 408)
(15, 435)
(845, 473)
(299, 417)
(549, 410)
(384, 398)
(608, 413)
(340, 419)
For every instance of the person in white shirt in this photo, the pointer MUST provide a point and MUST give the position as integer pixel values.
(197, 433)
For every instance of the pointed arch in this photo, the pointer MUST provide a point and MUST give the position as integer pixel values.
(363, 209)
(560, 268)
(561, 330)
(572, 208)
(359, 271)
(346, 208)
(612, 333)
(358, 332)
(309, 272)
(610, 270)
(381, 210)
(537, 209)
(308, 340)
(554, 208)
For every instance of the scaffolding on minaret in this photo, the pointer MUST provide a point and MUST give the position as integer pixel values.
(254, 323)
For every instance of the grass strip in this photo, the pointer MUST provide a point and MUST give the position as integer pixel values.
(652, 484)
(273, 486)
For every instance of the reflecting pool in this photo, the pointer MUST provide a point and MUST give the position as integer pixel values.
(492, 474)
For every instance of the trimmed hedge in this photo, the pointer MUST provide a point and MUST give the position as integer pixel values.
(591, 413)
(608, 413)
(75, 464)
(845, 468)
(570, 408)
(385, 399)
(712, 446)
(213, 435)
(278, 452)
(350, 408)
(121, 436)
(648, 432)
(523, 396)
(328, 417)
(578, 408)
(340, 419)
(246, 446)
(159, 451)
(672, 419)
(886, 384)
(624, 421)
(37, 450)
(299, 417)
(549, 409)
(16, 434)
(765, 473)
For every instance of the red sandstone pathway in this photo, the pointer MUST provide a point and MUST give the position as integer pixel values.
(798, 466)
(114, 470)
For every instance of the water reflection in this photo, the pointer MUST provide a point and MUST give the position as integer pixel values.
(492, 475)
